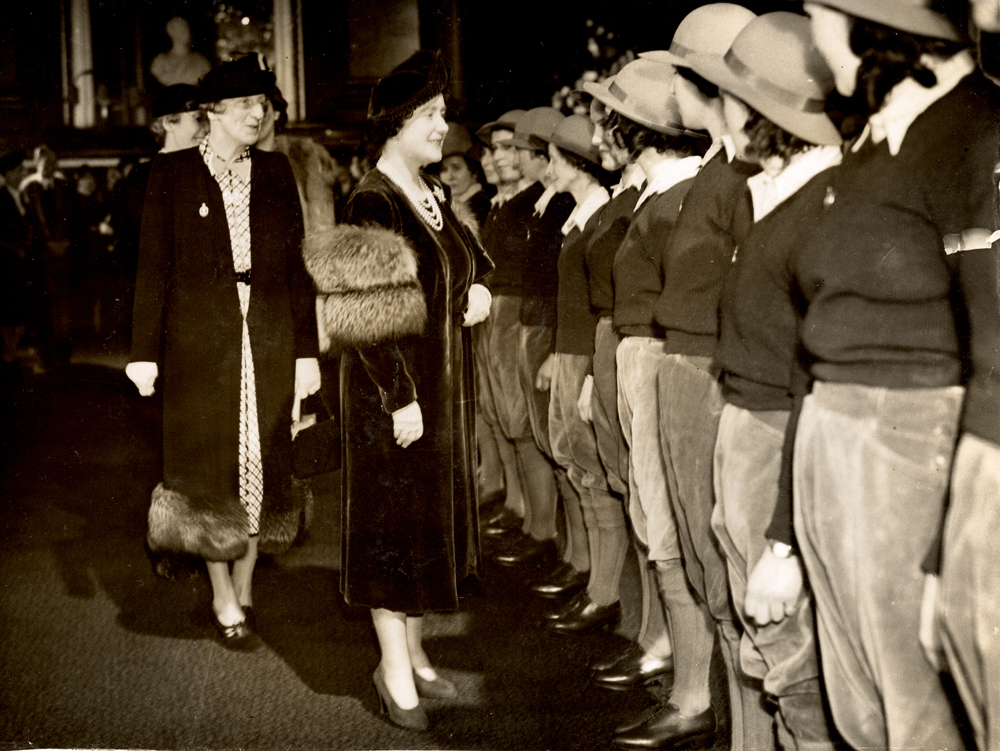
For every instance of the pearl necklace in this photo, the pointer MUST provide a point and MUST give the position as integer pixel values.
(425, 205)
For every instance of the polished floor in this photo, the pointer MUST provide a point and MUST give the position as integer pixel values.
(98, 652)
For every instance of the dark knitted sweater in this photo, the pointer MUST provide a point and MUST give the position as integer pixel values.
(715, 216)
(759, 311)
(878, 283)
(505, 238)
(576, 319)
(613, 223)
(638, 265)
(540, 275)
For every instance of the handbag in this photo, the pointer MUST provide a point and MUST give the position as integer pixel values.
(315, 437)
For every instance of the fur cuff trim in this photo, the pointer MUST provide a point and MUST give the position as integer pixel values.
(213, 528)
(368, 279)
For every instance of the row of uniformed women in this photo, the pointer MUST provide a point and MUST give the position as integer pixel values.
(772, 350)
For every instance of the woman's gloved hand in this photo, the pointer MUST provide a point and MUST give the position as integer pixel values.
(480, 300)
(143, 375)
(407, 424)
(306, 377)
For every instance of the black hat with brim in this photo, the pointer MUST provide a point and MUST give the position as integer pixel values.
(240, 78)
(181, 97)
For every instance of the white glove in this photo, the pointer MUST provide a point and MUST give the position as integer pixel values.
(584, 401)
(407, 424)
(480, 300)
(143, 375)
(306, 377)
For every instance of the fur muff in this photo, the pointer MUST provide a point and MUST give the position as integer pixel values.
(213, 528)
(367, 277)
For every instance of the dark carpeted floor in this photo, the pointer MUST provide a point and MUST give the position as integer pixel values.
(97, 652)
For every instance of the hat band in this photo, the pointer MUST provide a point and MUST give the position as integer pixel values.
(781, 96)
(680, 50)
(636, 103)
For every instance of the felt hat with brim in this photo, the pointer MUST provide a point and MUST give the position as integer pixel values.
(10, 160)
(708, 30)
(507, 121)
(575, 134)
(535, 128)
(181, 97)
(912, 16)
(239, 78)
(412, 83)
(457, 141)
(643, 91)
(774, 67)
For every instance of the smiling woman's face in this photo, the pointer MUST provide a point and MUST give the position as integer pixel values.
(420, 139)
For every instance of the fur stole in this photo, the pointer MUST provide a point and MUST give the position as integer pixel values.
(217, 529)
(366, 278)
(464, 215)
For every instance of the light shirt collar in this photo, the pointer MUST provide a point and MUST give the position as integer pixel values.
(582, 212)
(632, 177)
(667, 174)
(543, 201)
(908, 100)
(239, 165)
(722, 142)
(770, 191)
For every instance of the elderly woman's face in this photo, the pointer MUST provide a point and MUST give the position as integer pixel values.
(422, 135)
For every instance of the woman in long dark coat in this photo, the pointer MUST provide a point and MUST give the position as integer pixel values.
(400, 295)
(228, 339)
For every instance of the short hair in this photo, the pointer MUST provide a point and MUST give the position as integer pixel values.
(159, 129)
(707, 89)
(889, 56)
(280, 108)
(216, 108)
(584, 165)
(377, 132)
(768, 139)
(636, 138)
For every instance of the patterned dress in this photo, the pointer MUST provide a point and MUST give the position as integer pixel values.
(236, 198)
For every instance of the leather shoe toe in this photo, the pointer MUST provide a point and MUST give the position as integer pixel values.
(604, 662)
(565, 581)
(669, 729)
(633, 671)
(590, 617)
(524, 550)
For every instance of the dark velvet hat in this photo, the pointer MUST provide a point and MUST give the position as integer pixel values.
(180, 97)
(413, 82)
(10, 160)
(244, 77)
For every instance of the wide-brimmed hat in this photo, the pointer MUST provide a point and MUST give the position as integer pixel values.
(774, 67)
(708, 30)
(507, 121)
(913, 16)
(457, 141)
(181, 97)
(575, 134)
(413, 82)
(239, 78)
(643, 91)
(535, 128)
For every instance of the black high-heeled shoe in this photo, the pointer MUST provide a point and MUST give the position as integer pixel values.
(239, 637)
(411, 719)
(439, 688)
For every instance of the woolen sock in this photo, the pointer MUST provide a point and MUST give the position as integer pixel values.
(511, 477)
(541, 497)
(605, 575)
(654, 634)
(491, 474)
(751, 724)
(577, 552)
(693, 632)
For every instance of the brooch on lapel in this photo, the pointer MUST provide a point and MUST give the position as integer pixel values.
(203, 211)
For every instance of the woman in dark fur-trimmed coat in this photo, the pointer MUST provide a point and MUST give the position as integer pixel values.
(399, 295)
